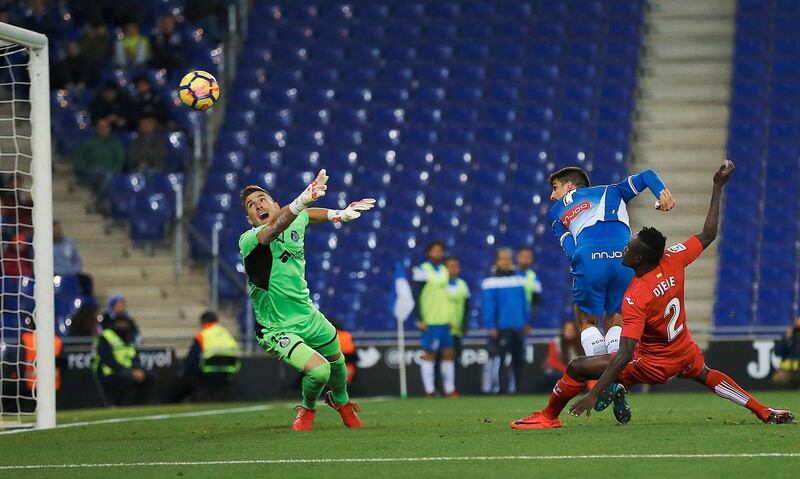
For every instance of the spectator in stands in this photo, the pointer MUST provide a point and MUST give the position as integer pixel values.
(147, 103)
(117, 366)
(506, 315)
(148, 151)
(73, 71)
(67, 259)
(118, 307)
(432, 312)
(17, 258)
(168, 45)
(561, 350)
(212, 362)
(113, 12)
(458, 299)
(110, 105)
(209, 15)
(533, 287)
(16, 206)
(41, 18)
(132, 49)
(788, 349)
(95, 44)
(99, 157)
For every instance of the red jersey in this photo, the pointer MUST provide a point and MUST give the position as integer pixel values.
(653, 310)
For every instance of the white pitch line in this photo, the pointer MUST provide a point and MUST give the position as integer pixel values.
(398, 459)
(158, 417)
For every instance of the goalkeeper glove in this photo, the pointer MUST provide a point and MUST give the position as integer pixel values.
(312, 193)
(353, 211)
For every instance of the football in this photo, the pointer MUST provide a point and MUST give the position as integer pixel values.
(199, 90)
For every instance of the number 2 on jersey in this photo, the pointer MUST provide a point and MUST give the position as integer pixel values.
(673, 308)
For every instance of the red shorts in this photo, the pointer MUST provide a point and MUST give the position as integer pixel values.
(648, 369)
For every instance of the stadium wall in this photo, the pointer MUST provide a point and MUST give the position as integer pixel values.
(749, 362)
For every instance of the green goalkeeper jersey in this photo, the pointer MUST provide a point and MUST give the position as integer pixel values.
(276, 275)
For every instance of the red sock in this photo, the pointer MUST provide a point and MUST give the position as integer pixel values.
(725, 387)
(566, 388)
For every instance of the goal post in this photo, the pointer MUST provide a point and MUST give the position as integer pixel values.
(40, 171)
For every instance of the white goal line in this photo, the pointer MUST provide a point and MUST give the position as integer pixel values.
(755, 455)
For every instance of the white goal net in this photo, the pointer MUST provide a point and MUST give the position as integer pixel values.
(27, 363)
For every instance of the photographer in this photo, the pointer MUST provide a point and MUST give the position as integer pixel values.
(788, 349)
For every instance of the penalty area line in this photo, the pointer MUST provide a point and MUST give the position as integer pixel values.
(201, 413)
(755, 455)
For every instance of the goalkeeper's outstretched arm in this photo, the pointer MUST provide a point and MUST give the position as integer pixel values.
(352, 212)
(277, 224)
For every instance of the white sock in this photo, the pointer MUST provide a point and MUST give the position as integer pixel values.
(448, 371)
(428, 379)
(612, 339)
(593, 342)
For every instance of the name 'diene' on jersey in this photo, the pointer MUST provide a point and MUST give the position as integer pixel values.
(663, 286)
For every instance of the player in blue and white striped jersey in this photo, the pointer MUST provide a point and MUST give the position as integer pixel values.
(592, 225)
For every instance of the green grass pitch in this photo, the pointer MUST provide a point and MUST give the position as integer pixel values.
(470, 436)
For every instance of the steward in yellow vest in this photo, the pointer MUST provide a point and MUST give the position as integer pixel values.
(117, 366)
(212, 362)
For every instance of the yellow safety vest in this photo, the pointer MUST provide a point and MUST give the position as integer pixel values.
(123, 352)
(790, 365)
(433, 301)
(220, 351)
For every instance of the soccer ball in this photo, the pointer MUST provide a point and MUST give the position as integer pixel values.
(199, 90)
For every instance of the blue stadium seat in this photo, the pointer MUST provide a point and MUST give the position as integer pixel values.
(479, 10)
(122, 191)
(66, 286)
(433, 74)
(468, 73)
(426, 95)
(178, 150)
(436, 53)
(149, 217)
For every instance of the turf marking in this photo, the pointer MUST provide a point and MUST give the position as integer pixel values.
(395, 459)
(159, 417)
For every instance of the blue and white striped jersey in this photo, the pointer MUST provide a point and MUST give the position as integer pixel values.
(573, 217)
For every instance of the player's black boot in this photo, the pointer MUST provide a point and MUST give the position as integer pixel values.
(615, 394)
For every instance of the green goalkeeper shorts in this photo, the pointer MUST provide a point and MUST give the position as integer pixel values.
(293, 344)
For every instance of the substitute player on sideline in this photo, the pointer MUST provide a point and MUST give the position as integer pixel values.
(654, 320)
(288, 325)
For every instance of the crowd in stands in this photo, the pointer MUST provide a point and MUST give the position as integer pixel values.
(113, 66)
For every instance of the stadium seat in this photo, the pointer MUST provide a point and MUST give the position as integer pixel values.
(149, 217)
(122, 191)
(437, 109)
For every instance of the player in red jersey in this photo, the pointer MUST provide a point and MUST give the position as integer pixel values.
(655, 345)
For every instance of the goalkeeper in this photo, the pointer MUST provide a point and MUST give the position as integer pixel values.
(288, 325)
